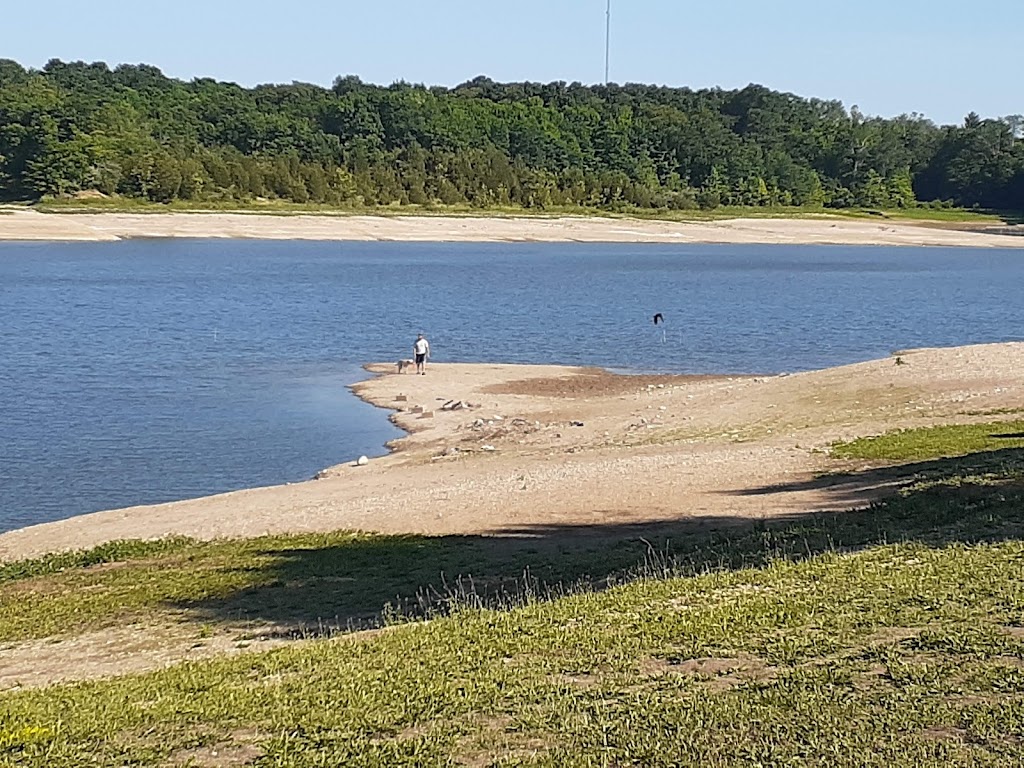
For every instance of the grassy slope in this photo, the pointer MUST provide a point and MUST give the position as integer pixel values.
(808, 643)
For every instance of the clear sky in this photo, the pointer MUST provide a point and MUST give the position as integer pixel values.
(943, 58)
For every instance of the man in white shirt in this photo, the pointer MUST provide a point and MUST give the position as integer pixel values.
(422, 351)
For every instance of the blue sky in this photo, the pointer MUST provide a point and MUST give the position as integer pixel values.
(941, 58)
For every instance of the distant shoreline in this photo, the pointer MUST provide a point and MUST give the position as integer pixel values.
(23, 225)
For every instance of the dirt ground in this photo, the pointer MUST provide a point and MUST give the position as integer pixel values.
(18, 223)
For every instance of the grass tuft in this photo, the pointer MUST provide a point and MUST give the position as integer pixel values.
(934, 442)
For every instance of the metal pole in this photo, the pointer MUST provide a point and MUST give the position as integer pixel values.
(607, 42)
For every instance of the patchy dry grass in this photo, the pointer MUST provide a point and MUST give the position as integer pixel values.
(899, 656)
(891, 636)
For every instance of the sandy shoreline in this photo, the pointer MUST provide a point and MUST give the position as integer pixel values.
(19, 224)
(539, 448)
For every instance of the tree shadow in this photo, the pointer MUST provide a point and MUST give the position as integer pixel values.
(1009, 224)
(864, 486)
(368, 581)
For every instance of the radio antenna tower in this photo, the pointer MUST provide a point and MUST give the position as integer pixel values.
(607, 42)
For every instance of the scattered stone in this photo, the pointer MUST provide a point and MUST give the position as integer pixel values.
(488, 448)
(363, 461)
(662, 407)
(576, 424)
(498, 418)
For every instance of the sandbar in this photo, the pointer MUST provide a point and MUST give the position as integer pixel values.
(510, 450)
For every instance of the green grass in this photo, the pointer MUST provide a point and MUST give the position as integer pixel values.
(310, 583)
(934, 442)
(897, 656)
(955, 215)
(888, 636)
(282, 207)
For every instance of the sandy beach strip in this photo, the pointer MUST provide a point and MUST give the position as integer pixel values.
(526, 450)
(29, 225)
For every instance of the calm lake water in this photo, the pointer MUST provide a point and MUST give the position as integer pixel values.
(147, 371)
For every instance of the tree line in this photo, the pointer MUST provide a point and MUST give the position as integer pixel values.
(131, 131)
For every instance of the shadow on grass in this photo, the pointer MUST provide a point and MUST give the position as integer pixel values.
(366, 582)
(876, 483)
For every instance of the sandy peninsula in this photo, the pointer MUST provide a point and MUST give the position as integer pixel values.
(26, 224)
(523, 450)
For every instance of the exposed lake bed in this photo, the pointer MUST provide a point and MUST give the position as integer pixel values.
(148, 371)
(714, 451)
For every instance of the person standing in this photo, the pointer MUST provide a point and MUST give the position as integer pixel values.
(421, 349)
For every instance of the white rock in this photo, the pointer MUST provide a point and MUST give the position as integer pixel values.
(363, 461)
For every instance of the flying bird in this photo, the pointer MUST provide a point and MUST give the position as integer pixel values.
(658, 318)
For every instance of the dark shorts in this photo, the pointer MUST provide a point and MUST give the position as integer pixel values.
(421, 359)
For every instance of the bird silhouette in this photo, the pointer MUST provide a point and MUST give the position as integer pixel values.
(658, 318)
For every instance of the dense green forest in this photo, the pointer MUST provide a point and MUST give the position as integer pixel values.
(131, 131)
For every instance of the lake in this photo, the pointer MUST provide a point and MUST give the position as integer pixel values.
(153, 370)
